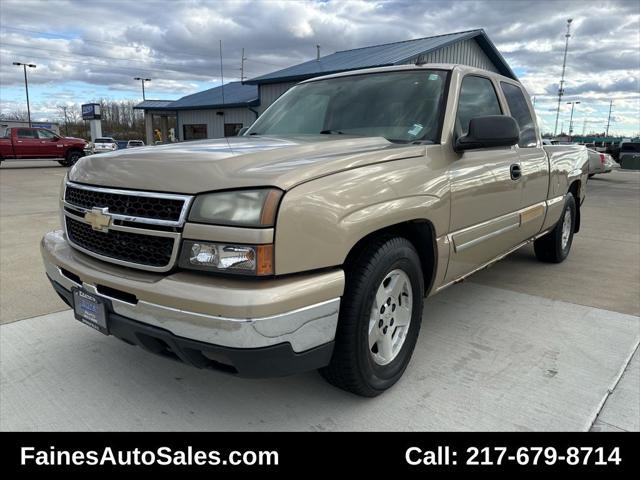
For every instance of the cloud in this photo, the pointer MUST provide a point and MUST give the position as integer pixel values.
(103, 44)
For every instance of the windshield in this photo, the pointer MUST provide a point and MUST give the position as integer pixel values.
(399, 106)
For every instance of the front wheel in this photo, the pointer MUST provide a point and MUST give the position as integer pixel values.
(554, 247)
(70, 160)
(380, 318)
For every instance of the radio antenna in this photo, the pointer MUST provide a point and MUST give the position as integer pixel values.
(222, 91)
(221, 74)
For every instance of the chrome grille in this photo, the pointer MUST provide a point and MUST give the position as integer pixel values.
(129, 247)
(144, 228)
(145, 207)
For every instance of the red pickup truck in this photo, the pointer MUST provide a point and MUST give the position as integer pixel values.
(24, 143)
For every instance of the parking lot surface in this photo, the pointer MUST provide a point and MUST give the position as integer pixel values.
(520, 346)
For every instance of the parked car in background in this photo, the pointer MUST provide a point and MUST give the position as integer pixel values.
(105, 144)
(135, 143)
(121, 144)
(39, 143)
(599, 162)
(629, 155)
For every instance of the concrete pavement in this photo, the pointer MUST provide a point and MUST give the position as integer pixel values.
(522, 345)
(28, 209)
(486, 359)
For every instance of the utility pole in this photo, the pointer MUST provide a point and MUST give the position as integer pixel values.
(26, 85)
(317, 52)
(564, 67)
(609, 118)
(66, 122)
(242, 67)
(142, 80)
(573, 104)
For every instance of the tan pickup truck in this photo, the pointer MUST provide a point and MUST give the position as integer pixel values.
(311, 241)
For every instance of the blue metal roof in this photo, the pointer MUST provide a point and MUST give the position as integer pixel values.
(383, 55)
(236, 94)
(154, 104)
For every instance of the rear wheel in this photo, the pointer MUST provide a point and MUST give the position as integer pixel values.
(554, 247)
(380, 318)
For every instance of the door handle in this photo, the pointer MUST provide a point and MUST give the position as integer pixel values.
(515, 171)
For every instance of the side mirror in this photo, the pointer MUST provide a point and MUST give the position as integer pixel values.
(489, 131)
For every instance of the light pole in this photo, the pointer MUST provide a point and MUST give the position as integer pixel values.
(573, 104)
(567, 36)
(142, 80)
(26, 85)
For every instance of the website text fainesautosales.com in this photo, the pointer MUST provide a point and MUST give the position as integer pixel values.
(135, 457)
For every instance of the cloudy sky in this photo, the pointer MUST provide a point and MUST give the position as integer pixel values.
(86, 50)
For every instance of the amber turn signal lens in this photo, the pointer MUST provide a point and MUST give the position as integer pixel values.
(264, 265)
(270, 207)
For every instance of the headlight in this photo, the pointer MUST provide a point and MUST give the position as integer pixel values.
(244, 208)
(219, 257)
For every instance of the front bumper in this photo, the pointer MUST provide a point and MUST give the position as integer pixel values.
(284, 318)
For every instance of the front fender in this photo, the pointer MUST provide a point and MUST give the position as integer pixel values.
(319, 222)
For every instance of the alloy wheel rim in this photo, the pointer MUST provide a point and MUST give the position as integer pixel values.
(566, 229)
(390, 317)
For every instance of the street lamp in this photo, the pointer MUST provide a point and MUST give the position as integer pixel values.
(142, 80)
(573, 104)
(26, 85)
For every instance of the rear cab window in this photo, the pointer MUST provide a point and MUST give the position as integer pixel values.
(519, 109)
(478, 98)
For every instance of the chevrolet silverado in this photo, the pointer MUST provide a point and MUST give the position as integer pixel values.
(312, 240)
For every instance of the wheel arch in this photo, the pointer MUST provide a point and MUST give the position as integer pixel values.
(421, 234)
(575, 191)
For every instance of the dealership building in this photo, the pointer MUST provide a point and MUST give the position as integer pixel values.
(220, 112)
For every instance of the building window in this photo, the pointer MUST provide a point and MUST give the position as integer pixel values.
(195, 131)
(232, 129)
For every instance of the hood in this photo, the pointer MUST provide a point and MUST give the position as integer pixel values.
(75, 139)
(236, 162)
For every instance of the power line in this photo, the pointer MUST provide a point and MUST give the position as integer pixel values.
(100, 42)
(101, 65)
(168, 66)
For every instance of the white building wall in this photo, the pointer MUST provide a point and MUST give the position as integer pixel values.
(467, 52)
(213, 121)
(269, 93)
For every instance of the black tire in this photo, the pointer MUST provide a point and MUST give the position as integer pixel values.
(548, 248)
(72, 157)
(352, 366)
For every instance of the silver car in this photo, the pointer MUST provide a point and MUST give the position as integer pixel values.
(104, 144)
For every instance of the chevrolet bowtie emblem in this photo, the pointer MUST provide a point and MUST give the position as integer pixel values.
(99, 219)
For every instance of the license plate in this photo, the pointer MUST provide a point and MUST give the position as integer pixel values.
(90, 310)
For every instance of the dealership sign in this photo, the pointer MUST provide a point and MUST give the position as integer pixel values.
(91, 111)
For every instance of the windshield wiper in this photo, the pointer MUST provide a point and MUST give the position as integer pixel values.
(331, 132)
